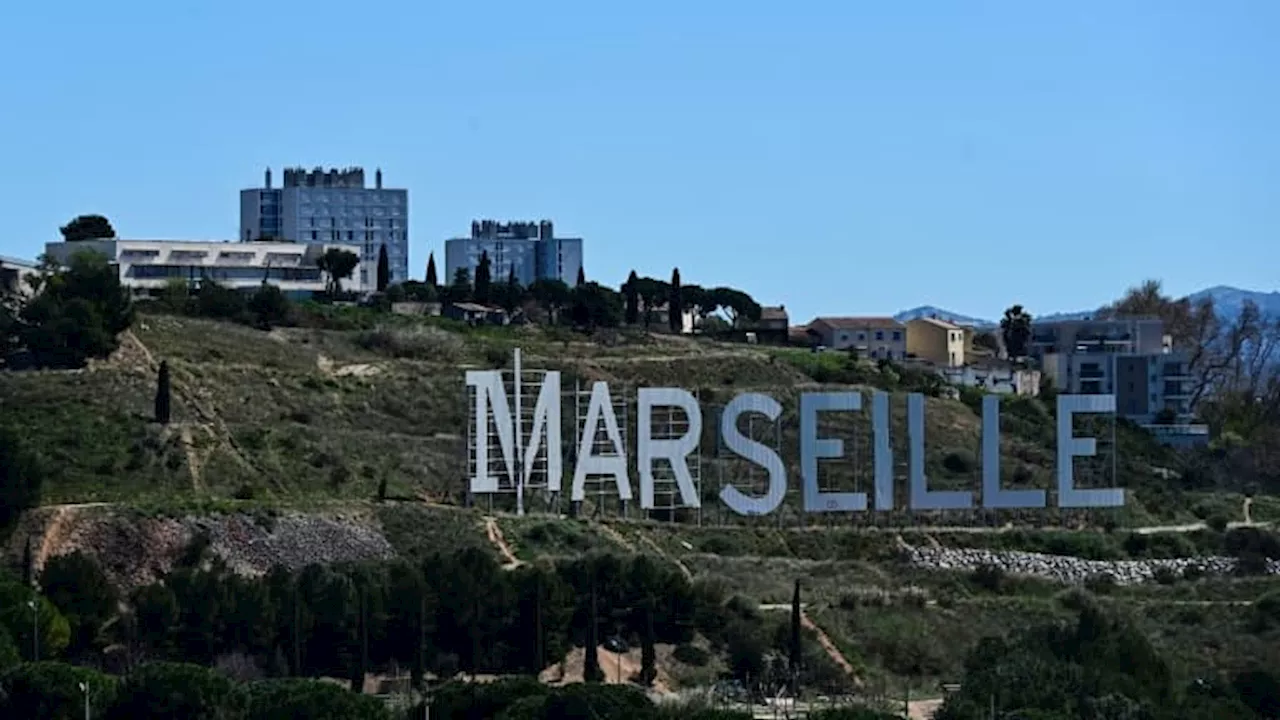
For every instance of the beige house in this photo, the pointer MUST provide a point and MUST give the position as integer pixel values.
(939, 342)
(877, 338)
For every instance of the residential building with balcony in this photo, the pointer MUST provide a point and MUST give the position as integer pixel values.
(877, 338)
(529, 250)
(939, 342)
(1150, 388)
(14, 274)
(1127, 335)
(148, 266)
(331, 207)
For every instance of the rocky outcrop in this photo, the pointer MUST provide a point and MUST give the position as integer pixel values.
(1065, 569)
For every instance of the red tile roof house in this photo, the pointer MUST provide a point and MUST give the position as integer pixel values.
(872, 337)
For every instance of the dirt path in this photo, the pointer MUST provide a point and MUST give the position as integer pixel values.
(648, 541)
(193, 458)
(616, 536)
(824, 640)
(1246, 510)
(182, 383)
(494, 531)
(57, 531)
(829, 647)
(923, 709)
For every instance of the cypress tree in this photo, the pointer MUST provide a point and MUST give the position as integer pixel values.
(28, 564)
(431, 270)
(483, 279)
(591, 663)
(675, 308)
(384, 269)
(540, 657)
(582, 277)
(632, 294)
(648, 651)
(163, 394)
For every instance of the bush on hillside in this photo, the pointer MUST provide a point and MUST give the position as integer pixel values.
(52, 690)
(421, 342)
(163, 690)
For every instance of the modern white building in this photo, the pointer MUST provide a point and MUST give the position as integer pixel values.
(146, 266)
(13, 276)
(331, 207)
(529, 249)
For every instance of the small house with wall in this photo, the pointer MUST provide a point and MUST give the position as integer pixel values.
(476, 314)
(773, 327)
(877, 338)
(996, 377)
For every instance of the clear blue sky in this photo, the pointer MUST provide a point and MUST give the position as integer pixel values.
(840, 157)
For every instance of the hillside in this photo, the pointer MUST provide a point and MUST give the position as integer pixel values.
(281, 440)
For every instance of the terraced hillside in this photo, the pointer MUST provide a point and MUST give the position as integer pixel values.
(299, 414)
(281, 441)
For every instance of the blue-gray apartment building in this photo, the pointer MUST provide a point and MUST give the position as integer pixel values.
(530, 249)
(333, 207)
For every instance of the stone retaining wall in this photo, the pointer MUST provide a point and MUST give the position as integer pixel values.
(1069, 570)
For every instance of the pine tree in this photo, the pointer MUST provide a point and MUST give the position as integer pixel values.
(795, 641)
(431, 270)
(675, 308)
(163, 391)
(483, 281)
(648, 652)
(384, 269)
(591, 663)
(360, 663)
(632, 294)
(540, 656)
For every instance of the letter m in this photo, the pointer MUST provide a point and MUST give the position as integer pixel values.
(491, 402)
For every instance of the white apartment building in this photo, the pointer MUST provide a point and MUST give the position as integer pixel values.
(333, 207)
(150, 265)
(13, 276)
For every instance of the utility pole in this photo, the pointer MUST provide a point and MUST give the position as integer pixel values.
(84, 688)
(35, 630)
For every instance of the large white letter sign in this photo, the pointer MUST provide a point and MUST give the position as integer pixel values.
(993, 496)
(676, 450)
(490, 394)
(589, 464)
(1070, 446)
(755, 452)
(546, 429)
(921, 497)
(812, 447)
(883, 454)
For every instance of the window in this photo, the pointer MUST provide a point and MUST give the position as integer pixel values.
(897, 334)
(879, 334)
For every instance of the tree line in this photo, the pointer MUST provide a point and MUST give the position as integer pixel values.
(448, 613)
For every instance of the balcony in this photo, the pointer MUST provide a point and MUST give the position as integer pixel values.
(1091, 374)
(1175, 372)
(1179, 435)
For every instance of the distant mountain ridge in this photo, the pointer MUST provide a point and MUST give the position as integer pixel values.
(1228, 301)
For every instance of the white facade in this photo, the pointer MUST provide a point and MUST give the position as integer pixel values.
(998, 379)
(14, 274)
(333, 208)
(147, 265)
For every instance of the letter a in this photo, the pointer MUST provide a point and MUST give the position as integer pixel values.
(589, 464)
